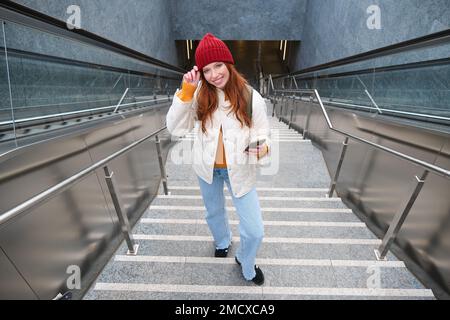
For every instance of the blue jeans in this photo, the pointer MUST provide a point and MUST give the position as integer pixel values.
(251, 227)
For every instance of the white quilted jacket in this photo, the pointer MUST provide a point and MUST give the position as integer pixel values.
(242, 167)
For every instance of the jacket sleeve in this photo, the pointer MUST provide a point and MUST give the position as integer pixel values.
(261, 127)
(180, 118)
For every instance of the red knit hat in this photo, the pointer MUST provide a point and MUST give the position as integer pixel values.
(211, 49)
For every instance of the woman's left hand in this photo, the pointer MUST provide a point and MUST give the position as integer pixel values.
(260, 151)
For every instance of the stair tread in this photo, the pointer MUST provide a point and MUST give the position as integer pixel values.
(314, 247)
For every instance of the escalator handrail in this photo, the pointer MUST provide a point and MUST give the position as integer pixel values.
(428, 166)
(415, 43)
(44, 196)
(70, 113)
(354, 105)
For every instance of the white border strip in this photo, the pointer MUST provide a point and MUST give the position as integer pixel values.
(260, 189)
(264, 261)
(276, 132)
(266, 223)
(198, 197)
(266, 240)
(175, 288)
(279, 210)
(303, 291)
(274, 140)
(278, 136)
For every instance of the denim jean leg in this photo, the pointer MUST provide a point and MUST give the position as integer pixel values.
(251, 229)
(216, 215)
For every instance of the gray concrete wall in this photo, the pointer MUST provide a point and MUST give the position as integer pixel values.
(145, 26)
(337, 29)
(328, 29)
(239, 20)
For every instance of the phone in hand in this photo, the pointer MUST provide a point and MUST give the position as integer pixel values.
(254, 145)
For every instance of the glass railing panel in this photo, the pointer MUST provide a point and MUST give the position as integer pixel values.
(347, 91)
(412, 83)
(7, 129)
(431, 51)
(54, 78)
(424, 91)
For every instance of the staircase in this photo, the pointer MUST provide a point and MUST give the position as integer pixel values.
(314, 247)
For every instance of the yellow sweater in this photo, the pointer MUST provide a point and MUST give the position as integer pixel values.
(186, 94)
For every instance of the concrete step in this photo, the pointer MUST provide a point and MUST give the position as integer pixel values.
(291, 203)
(294, 229)
(272, 247)
(314, 247)
(267, 192)
(211, 272)
(194, 292)
(281, 140)
(145, 277)
(263, 192)
(229, 274)
(165, 212)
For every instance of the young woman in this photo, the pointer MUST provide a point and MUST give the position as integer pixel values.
(213, 101)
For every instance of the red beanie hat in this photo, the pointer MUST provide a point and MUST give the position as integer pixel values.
(211, 49)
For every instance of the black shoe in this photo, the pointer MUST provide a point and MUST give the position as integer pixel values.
(222, 253)
(258, 279)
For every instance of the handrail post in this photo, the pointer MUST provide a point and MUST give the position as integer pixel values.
(120, 101)
(338, 169)
(281, 109)
(373, 101)
(118, 79)
(161, 166)
(306, 125)
(292, 112)
(123, 219)
(295, 82)
(290, 119)
(399, 219)
(271, 82)
(274, 105)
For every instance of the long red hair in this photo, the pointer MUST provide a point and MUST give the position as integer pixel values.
(235, 91)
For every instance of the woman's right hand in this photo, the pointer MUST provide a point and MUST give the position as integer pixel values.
(192, 77)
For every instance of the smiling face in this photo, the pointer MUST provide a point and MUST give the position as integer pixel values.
(217, 74)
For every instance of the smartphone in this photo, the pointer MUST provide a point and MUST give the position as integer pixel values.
(254, 145)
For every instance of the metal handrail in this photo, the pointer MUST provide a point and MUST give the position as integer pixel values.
(78, 111)
(427, 40)
(121, 99)
(400, 216)
(381, 110)
(271, 82)
(438, 170)
(366, 90)
(69, 182)
(420, 115)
